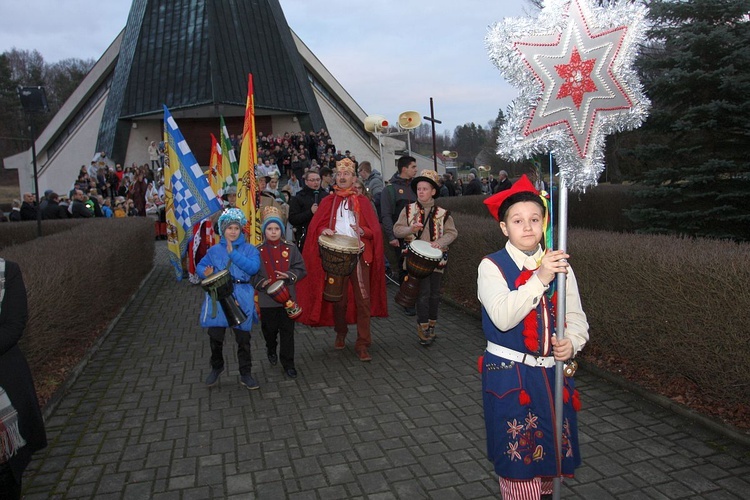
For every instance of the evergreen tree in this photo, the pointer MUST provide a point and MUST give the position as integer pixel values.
(11, 119)
(469, 140)
(697, 73)
(27, 68)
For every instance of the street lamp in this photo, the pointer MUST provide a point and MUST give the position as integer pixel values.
(34, 100)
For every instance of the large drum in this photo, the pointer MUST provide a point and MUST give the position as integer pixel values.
(421, 261)
(339, 254)
(280, 293)
(219, 288)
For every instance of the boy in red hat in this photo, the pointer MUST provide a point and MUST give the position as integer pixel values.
(518, 367)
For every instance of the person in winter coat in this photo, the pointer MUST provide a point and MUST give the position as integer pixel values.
(304, 204)
(242, 260)
(21, 426)
(374, 183)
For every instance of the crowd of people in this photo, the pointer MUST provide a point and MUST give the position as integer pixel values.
(515, 285)
(99, 190)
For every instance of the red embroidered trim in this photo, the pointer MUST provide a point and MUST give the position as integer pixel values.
(530, 322)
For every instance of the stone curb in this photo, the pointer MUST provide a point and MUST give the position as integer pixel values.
(75, 372)
(722, 428)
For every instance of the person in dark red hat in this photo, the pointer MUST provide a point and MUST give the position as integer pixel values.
(518, 366)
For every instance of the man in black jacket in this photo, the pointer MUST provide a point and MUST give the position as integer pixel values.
(28, 207)
(474, 186)
(53, 210)
(78, 208)
(503, 182)
(394, 197)
(304, 204)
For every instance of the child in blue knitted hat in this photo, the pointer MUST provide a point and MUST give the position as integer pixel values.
(242, 260)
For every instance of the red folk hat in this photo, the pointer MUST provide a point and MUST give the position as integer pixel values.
(521, 185)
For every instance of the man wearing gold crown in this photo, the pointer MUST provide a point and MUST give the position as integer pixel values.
(280, 261)
(351, 214)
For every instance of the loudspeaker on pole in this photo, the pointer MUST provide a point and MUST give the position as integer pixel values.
(376, 123)
(409, 120)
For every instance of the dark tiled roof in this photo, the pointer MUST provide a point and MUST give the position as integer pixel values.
(188, 53)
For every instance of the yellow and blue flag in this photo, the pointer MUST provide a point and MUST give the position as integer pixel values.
(189, 197)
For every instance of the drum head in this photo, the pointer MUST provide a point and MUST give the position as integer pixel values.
(341, 243)
(215, 277)
(274, 287)
(424, 249)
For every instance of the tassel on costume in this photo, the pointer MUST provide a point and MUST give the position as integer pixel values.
(524, 398)
(576, 401)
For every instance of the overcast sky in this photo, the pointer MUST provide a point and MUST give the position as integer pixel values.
(390, 55)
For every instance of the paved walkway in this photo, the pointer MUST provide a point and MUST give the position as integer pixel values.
(138, 423)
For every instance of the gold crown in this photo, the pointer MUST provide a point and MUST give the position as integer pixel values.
(345, 164)
(271, 211)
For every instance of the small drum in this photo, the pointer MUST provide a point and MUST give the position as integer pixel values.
(219, 288)
(280, 293)
(421, 260)
(339, 255)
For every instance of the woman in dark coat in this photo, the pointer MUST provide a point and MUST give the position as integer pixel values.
(16, 382)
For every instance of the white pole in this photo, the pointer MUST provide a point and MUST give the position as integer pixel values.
(380, 152)
(562, 244)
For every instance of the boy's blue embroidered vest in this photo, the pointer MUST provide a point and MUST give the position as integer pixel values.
(513, 338)
(521, 435)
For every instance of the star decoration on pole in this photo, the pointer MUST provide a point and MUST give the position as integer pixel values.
(577, 77)
(573, 66)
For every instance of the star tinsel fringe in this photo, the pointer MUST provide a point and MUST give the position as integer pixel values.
(572, 44)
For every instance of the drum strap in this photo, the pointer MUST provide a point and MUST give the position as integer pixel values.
(214, 298)
(426, 223)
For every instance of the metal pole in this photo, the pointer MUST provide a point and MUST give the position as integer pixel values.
(562, 243)
(380, 151)
(36, 180)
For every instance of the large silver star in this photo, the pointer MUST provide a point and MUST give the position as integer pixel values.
(544, 53)
(574, 68)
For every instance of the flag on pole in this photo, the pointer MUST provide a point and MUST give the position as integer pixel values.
(228, 158)
(189, 197)
(214, 173)
(247, 196)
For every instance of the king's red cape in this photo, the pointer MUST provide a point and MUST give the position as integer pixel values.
(315, 310)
